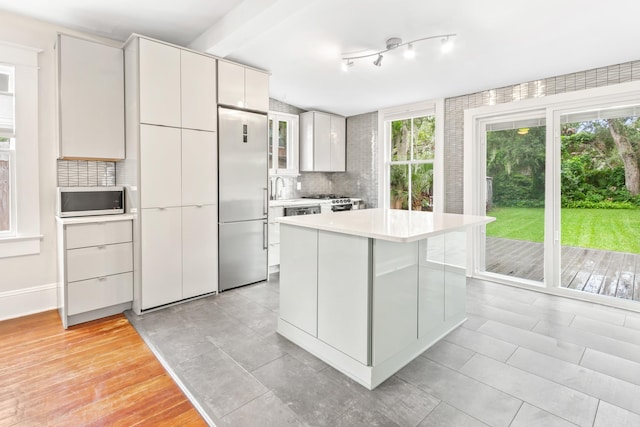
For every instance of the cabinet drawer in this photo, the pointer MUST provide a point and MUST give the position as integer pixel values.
(97, 233)
(92, 294)
(98, 261)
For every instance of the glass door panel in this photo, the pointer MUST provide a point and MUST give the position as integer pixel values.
(515, 195)
(600, 201)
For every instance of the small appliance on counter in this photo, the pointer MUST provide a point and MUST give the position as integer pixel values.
(85, 201)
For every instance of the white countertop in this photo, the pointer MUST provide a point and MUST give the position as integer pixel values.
(387, 224)
(94, 218)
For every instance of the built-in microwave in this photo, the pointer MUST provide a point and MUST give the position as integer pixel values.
(83, 201)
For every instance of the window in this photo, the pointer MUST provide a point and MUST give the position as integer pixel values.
(283, 144)
(411, 160)
(19, 195)
(7, 152)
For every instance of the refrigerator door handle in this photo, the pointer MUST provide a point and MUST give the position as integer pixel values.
(265, 196)
(265, 244)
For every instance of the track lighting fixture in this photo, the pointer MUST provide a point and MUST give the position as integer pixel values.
(396, 42)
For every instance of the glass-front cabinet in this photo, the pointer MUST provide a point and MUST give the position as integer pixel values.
(283, 144)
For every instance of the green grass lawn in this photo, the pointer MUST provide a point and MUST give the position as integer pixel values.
(608, 229)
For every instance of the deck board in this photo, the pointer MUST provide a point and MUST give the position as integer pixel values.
(588, 270)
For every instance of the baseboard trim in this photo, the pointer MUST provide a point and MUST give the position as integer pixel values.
(22, 302)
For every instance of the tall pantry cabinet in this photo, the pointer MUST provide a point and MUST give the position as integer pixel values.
(170, 171)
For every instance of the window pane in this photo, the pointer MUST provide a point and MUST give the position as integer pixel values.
(422, 187)
(400, 140)
(270, 159)
(424, 140)
(5, 201)
(282, 144)
(399, 181)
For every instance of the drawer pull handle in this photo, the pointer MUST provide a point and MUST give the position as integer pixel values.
(102, 247)
(102, 279)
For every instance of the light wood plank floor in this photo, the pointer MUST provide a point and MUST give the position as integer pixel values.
(614, 274)
(97, 373)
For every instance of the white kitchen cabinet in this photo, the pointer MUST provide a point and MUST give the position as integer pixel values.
(171, 171)
(283, 144)
(95, 267)
(159, 83)
(177, 87)
(273, 254)
(322, 142)
(242, 87)
(161, 260)
(91, 99)
(199, 168)
(199, 250)
(198, 94)
(160, 166)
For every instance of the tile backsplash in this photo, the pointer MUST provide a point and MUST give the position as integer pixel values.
(86, 173)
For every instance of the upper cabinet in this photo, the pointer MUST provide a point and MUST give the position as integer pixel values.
(283, 144)
(91, 99)
(177, 87)
(242, 87)
(322, 142)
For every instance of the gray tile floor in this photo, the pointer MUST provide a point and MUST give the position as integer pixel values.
(522, 359)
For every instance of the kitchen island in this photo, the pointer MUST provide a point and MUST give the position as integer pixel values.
(369, 290)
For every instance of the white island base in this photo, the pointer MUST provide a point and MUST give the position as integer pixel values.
(368, 291)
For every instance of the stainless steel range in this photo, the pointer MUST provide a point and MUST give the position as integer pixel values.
(332, 202)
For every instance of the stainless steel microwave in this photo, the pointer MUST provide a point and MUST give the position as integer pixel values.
(83, 201)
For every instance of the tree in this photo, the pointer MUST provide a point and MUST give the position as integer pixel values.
(622, 131)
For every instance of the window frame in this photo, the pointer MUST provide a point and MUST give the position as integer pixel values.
(25, 236)
(292, 143)
(385, 117)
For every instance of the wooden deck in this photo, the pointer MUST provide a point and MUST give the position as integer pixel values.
(615, 274)
(99, 373)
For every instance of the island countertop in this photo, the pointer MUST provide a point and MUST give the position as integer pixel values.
(387, 224)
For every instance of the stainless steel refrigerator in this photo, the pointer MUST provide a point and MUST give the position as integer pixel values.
(243, 198)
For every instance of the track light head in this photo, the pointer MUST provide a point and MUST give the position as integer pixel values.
(346, 65)
(447, 44)
(378, 61)
(410, 53)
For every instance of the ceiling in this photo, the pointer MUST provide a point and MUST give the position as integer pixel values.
(301, 42)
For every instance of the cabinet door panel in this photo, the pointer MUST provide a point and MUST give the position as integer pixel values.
(455, 279)
(199, 250)
(160, 171)
(91, 99)
(256, 86)
(97, 233)
(199, 105)
(199, 168)
(321, 142)
(161, 261)
(92, 294)
(431, 286)
(159, 83)
(338, 146)
(230, 84)
(99, 261)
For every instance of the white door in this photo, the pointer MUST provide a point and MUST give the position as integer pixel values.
(338, 144)
(160, 175)
(256, 85)
(230, 84)
(159, 84)
(321, 142)
(161, 259)
(199, 103)
(199, 168)
(199, 250)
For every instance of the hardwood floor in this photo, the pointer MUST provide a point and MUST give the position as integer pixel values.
(97, 373)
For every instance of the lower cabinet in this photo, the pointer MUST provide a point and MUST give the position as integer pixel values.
(95, 268)
(274, 238)
(179, 256)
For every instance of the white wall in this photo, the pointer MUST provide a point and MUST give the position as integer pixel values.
(26, 282)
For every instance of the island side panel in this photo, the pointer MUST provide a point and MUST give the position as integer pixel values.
(298, 277)
(455, 277)
(344, 277)
(395, 292)
(431, 287)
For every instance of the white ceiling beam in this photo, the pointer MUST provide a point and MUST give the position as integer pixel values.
(245, 22)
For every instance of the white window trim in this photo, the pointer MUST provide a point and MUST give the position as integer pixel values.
(425, 108)
(554, 106)
(26, 241)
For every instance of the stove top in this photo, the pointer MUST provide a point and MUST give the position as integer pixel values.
(325, 196)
